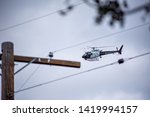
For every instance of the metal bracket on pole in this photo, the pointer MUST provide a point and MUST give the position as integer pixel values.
(25, 66)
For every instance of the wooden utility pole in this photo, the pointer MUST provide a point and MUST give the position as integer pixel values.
(7, 71)
(8, 58)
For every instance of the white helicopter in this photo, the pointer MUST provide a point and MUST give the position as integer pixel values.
(95, 53)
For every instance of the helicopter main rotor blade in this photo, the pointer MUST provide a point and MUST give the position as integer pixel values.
(100, 47)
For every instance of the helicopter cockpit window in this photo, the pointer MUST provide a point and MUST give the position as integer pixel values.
(94, 50)
(88, 53)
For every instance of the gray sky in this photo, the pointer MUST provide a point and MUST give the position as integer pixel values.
(127, 81)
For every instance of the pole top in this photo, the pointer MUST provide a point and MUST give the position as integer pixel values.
(7, 44)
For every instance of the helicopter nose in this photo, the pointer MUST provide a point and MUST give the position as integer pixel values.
(83, 56)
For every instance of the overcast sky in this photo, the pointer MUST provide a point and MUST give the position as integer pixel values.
(127, 81)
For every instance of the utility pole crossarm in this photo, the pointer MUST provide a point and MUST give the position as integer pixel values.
(46, 61)
(8, 58)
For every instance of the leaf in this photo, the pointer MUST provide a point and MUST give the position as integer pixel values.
(97, 1)
(70, 7)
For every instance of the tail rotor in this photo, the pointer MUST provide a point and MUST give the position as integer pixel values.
(120, 50)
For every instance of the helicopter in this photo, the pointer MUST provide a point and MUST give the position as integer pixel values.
(95, 53)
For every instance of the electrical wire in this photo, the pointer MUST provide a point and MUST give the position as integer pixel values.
(144, 54)
(34, 19)
(102, 37)
(99, 67)
(30, 76)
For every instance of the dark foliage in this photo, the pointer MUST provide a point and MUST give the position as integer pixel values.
(114, 9)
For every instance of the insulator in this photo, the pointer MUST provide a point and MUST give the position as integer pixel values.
(120, 61)
(50, 54)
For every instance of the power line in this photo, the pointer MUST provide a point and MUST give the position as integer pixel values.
(102, 37)
(144, 54)
(34, 19)
(30, 76)
(99, 67)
